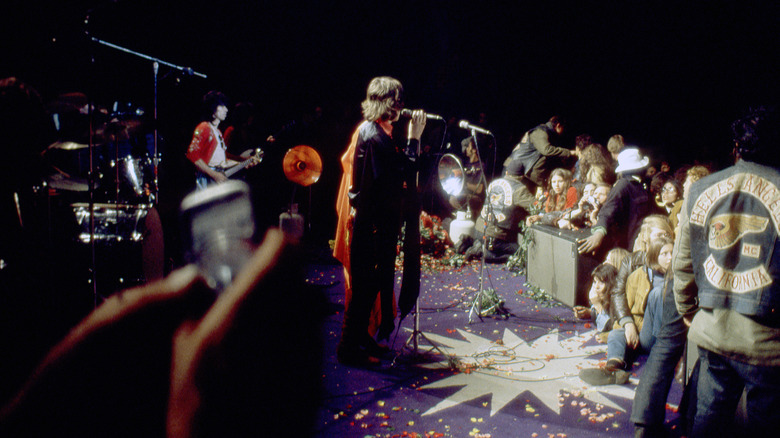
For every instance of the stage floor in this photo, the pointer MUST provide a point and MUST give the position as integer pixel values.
(494, 377)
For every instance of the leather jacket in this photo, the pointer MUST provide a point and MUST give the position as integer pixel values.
(620, 308)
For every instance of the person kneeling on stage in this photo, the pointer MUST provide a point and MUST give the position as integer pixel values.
(509, 200)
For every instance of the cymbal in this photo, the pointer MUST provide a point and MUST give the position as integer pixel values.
(67, 146)
(119, 129)
(66, 102)
(302, 165)
(60, 181)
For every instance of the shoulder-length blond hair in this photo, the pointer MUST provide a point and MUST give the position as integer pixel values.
(384, 99)
(653, 221)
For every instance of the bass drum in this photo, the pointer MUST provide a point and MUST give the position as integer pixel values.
(128, 240)
(113, 223)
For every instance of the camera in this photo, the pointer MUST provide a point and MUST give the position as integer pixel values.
(590, 204)
(218, 231)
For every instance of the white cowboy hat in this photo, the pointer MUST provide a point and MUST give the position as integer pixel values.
(631, 159)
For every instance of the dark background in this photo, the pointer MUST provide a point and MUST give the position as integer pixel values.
(669, 76)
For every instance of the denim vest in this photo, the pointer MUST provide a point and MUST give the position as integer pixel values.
(734, 218)
(507, 215)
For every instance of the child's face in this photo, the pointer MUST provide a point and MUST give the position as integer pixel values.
(665, 257)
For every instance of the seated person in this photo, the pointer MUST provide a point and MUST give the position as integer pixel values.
(604, 276)
(653, 227)
(561, 198)
(644, 288)
(644, 292)
(615, 257)
(472, 196)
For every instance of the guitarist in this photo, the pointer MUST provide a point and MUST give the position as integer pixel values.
(208, 150)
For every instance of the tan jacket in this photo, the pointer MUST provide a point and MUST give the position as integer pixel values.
(637, 289)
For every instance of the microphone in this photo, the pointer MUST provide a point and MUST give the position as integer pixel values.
(408, 113)
(464, 124)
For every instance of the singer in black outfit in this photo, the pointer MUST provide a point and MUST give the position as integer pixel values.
(381, 161)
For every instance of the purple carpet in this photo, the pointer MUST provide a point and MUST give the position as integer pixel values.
(512, 376)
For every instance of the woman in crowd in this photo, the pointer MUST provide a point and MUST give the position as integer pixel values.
(596, 165)
(561, 198)
(692, 175)
(670, 193)
(603, 281)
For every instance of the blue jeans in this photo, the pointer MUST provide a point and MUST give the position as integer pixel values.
(721, 381)
(617, 345)
(649, 407)
(616, 341)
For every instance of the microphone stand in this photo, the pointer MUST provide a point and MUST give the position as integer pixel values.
(476, 304)
(91, 172)
(417, 334)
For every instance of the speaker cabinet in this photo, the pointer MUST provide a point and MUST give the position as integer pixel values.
(555, 266)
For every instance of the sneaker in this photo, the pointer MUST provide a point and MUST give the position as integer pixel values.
(601, 376)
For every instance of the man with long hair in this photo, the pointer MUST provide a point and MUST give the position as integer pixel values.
(368, 237)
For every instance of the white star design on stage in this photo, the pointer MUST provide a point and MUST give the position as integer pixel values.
(509, 367)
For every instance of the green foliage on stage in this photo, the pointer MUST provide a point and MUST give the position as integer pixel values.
(490, 303)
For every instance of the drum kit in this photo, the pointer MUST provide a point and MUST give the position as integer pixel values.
(103, 191)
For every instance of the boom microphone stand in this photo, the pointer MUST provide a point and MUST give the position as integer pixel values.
(155, 67)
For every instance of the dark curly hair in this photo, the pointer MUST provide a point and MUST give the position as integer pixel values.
(211, 101)
(757, 135)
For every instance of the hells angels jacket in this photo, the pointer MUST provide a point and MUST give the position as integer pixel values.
(727, 263)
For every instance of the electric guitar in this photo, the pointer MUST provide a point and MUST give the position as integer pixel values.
(256, 158)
